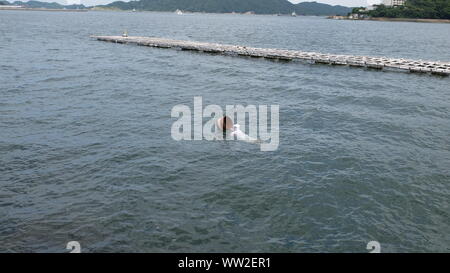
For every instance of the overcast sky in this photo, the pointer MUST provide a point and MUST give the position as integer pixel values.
(349, 3)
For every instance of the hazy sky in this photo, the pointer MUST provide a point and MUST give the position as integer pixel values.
(349, 3)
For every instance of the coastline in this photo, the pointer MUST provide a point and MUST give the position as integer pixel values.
(43, 9)
(203, 12)
(386, 19)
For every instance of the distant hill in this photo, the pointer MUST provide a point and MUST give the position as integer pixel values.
(314, 8)
(45, 5)
(228, 6)
(213, 6)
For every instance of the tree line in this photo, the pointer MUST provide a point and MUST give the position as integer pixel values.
(426, 9)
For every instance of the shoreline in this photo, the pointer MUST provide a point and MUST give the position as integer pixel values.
(386, 19)
(43, 9)
(103, 9)
(204, 12)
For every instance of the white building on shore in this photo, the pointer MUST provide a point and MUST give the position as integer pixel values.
(393, 3)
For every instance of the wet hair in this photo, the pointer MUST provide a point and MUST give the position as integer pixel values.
(225, 123)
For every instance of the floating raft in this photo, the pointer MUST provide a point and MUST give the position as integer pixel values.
(416, 66)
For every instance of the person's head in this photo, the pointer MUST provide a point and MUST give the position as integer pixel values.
(224, 123)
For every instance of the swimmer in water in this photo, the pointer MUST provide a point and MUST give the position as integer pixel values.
(226, 125)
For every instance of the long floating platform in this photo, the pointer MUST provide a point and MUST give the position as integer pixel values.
(416, 66)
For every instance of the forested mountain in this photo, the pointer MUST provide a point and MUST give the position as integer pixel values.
(228, 6)
(213, 6)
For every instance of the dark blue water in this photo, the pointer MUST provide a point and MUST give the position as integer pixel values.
(86, 152)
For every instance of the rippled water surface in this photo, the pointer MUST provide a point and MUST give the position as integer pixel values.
(86, 152)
